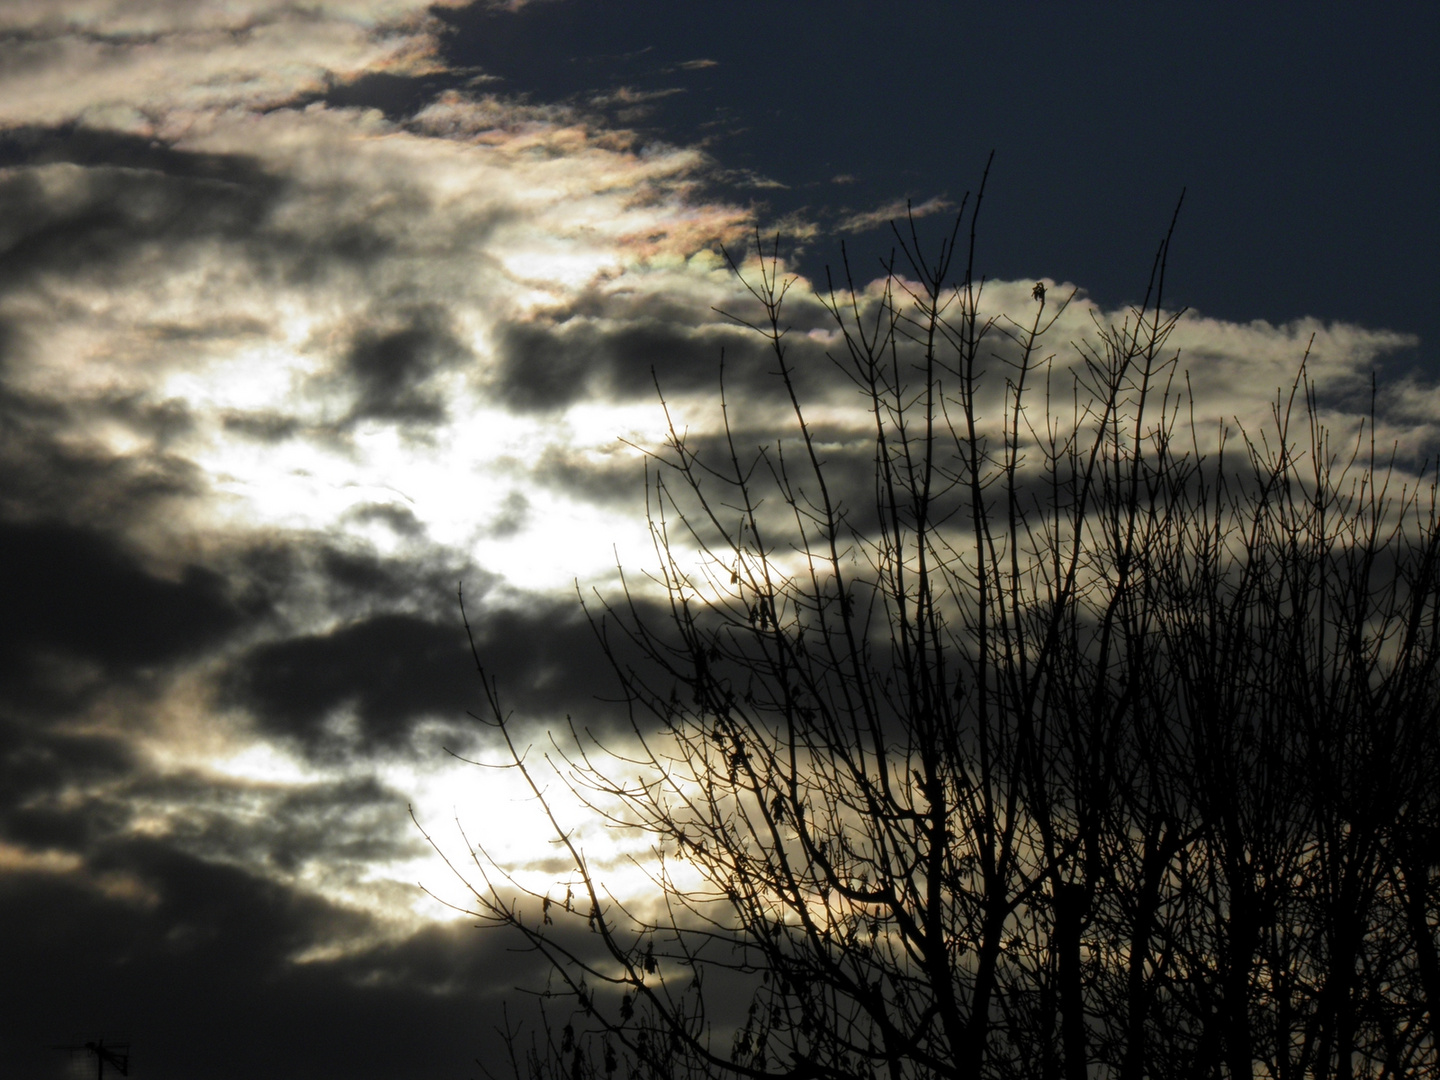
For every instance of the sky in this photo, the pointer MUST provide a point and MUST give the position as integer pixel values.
(311, 312)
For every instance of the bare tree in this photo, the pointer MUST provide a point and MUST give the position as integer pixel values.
(1084, 742)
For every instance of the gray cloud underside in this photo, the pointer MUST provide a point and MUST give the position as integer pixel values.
(195, 934)
(393, 670)
(210, 966)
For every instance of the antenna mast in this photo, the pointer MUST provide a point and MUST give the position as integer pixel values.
(116, 1055)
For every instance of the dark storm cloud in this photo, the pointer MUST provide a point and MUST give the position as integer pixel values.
(79, 594)
(90, 221)
(358, 818)
(347, 823)
(37, 763)
(12, 343)
(389, 367)
(846, 455)
(51, 467)
(394, 670)
(195, 963)
(83, 205)
(547, 661)
(262, 426)
(385, 367)
(363, 573)
(160, 422)
(170, 943)
(544, 365)
(553, 362)
(267, 827)
(398, 519)
(306, 573)
(88, 146)
(397, 96)
(610, 479)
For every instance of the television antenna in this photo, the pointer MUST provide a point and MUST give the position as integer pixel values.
(115, 1054)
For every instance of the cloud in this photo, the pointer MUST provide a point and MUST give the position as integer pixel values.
(159, 68)
(336, 829)
(548, 365)
(630, 96)
(219, 968)
(92, 221)
(366, 687)
(388, 669)
(891, 211)
(277, 374)
(38, 764)
(82, 598)
(614, 340)
(390, 364)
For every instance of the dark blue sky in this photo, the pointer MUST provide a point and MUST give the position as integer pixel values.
(1307, 138)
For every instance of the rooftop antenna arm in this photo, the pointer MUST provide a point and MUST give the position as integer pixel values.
(116, 1055)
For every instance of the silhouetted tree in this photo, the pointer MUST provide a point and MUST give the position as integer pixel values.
(1084, 743)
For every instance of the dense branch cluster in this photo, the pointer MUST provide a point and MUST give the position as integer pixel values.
(1084, 743)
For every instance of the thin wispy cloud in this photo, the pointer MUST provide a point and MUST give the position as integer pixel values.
(897, 210)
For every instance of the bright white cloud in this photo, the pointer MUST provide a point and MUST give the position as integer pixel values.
(157, 68)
